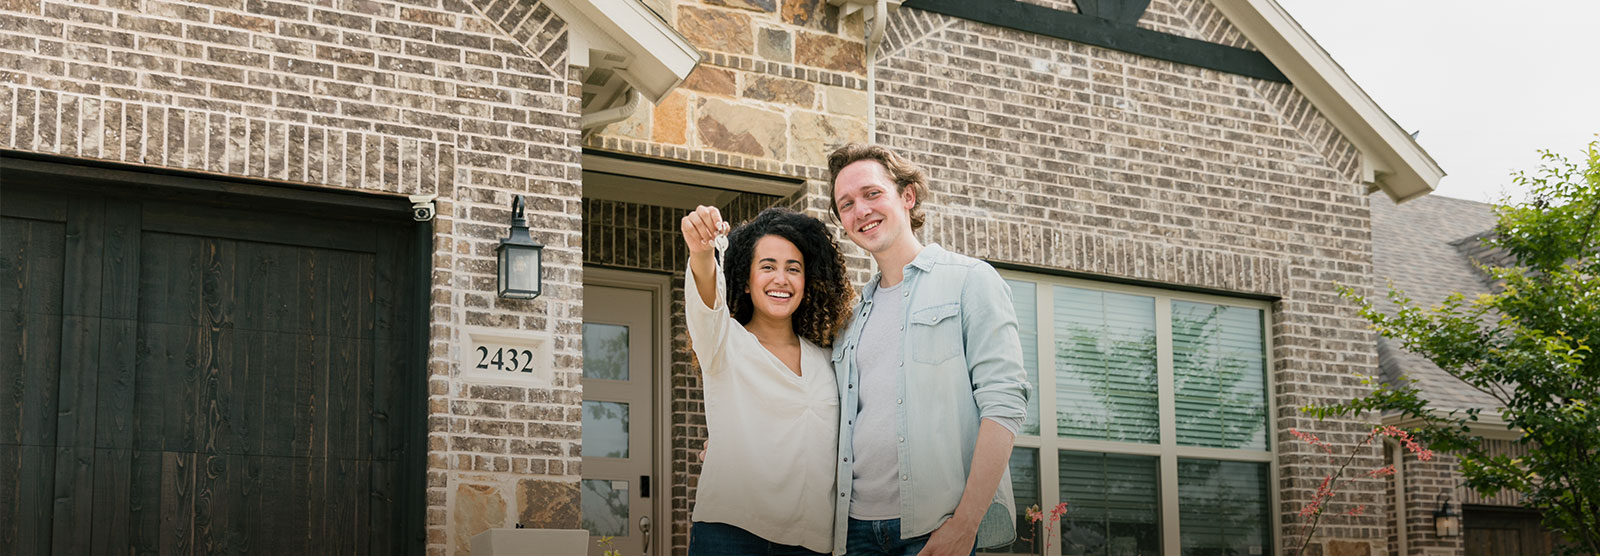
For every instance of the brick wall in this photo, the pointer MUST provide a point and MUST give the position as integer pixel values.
(469, 101)
(1060, 155)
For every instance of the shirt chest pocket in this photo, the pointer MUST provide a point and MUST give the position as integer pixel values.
(935, 334)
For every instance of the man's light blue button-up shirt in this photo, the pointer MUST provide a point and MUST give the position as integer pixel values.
(963, 362)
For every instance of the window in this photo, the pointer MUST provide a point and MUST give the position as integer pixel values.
(1150, 420)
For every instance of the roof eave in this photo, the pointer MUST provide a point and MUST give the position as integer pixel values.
(1392, 160)
(626, 37)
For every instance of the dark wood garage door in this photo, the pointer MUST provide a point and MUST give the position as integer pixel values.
(184, 377)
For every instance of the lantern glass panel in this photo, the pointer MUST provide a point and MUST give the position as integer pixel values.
(519, 270)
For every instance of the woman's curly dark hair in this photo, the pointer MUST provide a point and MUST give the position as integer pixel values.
(825, 306)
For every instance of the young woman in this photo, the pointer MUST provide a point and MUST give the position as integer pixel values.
(760, 328)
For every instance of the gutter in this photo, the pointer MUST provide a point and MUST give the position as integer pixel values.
(614, 114)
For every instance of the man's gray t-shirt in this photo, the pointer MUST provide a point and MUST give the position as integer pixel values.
(875, 490)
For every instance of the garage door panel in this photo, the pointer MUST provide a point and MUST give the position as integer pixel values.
(116, 386)
(22, 203)
(166, 390)
(119, 298)
(347, 390)
(27, 482)
(176, 532)
(28, 381)
(250, 225)
(85, 230)
(73, 492)
(266, 299)
(31, 265)
(387, 432)
(169, 279)
(78, 381)
(112, 486)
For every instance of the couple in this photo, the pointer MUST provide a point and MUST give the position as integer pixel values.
(894, 442)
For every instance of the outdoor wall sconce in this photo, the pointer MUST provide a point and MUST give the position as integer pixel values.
(1446, 521)
(521, 258)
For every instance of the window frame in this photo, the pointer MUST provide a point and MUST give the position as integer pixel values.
(1167, 449)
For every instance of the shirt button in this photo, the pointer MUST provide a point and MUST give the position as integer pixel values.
(902, 363)
(902, 439)
(903, 478)
(906, 294)
(900, 401)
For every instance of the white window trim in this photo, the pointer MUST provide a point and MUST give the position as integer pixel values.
(1167, 450)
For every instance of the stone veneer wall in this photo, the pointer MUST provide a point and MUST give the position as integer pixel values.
(1059, 155)
(473, 102)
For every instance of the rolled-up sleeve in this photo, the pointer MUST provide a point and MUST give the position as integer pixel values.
(994, 349)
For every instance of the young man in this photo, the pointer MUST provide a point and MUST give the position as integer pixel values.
(931, 384)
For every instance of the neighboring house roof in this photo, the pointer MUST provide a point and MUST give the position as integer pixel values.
(1427, 249)
(1393, 160)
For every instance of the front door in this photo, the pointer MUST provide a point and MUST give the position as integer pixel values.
(619, 363)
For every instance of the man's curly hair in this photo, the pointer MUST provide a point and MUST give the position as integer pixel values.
(825, 305)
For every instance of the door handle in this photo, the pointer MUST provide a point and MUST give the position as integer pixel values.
(644, 530)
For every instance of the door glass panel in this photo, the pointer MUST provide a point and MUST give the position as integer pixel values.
(605, 429)
(605, 351)
(605, 507)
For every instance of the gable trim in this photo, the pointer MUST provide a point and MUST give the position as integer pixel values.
(1391, 159)
(1125, 37)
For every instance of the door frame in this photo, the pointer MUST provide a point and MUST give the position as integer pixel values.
(661, 385)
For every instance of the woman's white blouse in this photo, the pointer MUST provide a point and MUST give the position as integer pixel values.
(770, 468)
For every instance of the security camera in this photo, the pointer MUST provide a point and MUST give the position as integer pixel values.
(422, 207)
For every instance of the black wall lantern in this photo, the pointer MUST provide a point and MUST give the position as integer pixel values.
(521, 258)
(1446, 521)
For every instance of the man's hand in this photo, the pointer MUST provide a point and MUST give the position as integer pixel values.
(951, 539)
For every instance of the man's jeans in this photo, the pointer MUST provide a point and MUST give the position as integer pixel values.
(882, 538)
(721, 539)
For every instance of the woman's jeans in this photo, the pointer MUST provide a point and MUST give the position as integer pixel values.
(721, 539)
(881, 538)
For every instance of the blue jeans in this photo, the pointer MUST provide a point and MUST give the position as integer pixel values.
(721, 539)
(882, 538)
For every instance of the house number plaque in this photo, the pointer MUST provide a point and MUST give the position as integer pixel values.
(508, 357)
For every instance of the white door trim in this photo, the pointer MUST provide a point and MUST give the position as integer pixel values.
(661, 380)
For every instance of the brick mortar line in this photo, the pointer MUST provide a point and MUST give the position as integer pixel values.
(271, 54)
(143, 111)
(314, 80)
(1269, 109)
(1330, 169)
